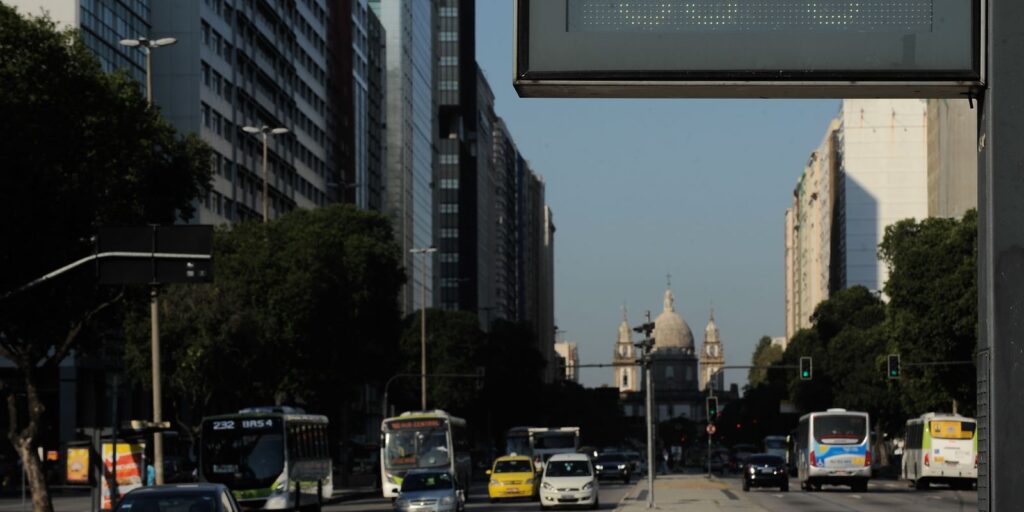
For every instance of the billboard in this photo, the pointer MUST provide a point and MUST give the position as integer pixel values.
(748, 48)
(77, 469)
(129, 470)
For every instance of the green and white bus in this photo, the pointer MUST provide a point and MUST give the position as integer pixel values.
(423, 440)
(271, 458)
(941, 448)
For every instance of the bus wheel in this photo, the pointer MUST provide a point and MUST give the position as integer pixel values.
(921, 484)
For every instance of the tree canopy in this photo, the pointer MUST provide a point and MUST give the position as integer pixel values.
(302, 310)
(81, 149)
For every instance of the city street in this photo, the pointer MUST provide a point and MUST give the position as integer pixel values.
(697, 494)
(611, 495)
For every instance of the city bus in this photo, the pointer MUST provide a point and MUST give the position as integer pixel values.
(545, 442)
(518, 441)
(423, 440)
(941, 448)
(832, 448)
(271, 458)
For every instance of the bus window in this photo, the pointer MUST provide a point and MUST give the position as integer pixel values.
(951, 429)
(835, 429)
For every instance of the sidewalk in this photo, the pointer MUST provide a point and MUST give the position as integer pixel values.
(693, 493)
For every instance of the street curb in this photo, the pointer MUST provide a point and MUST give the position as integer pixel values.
(351, 496)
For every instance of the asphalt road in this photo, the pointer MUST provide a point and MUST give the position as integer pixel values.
(882, 495)
(611, 494)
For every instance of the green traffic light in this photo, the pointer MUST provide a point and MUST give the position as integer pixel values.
(807, 374)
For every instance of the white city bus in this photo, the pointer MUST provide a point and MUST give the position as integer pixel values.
(832, 448)
(423, 440)
(270, 457)
(941, 448)
(545, 442)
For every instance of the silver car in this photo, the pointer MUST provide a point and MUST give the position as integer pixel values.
(426, 490)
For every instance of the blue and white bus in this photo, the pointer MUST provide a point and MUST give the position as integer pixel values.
(832, 448)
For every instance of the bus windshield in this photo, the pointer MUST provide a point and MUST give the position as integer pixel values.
(840, 429)
(775, 443)
(410, 445)
(518, 444)
(240, 459)
(554, 441)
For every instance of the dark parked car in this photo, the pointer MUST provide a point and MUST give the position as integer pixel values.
(185, 497)
(613, 466)
(765, 471)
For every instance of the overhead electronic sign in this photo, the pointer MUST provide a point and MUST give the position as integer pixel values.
(749, 48)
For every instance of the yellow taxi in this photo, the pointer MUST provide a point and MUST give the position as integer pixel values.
(512, 476)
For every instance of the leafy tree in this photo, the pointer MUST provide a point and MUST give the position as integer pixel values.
(933, 308)
(765, 354)
(302, 310)
(81, 149)
(455, 344)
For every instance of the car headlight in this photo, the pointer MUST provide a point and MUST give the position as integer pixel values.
(622, 466)
(599, 467)
(528, 481)
(751, 470)
(588, 486)
(547, 486)
(447, 500)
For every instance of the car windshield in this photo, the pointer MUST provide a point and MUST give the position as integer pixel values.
(168, 502)
(610, 459)
(513, 466)
(766, 459)
(426, 482)
(568, 468)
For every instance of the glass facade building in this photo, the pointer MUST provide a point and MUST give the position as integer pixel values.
(409, 25)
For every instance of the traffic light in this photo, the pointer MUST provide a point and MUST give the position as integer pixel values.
(894, 366)
(805, 368)
(712, 408)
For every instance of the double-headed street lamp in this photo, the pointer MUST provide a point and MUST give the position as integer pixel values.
(265, 131)
(147, 46)
(424, 251)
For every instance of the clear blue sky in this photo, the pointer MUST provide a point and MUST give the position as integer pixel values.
(644, 188)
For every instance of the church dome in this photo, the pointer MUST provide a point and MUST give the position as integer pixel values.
(670, 330)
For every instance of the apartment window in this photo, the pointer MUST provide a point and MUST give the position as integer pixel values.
(449, 208)
(450, 60)
(449, 257)
(450, 159)
(448, 37)
(205, 113)
(449, 233)
(450, 183)
(206, 74)
(449, 85)
(449, 12)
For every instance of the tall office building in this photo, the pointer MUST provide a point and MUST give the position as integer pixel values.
(505, 158)
(464, 140)
(103, 24)
(409, 25)
(881, 161)
(246, 64)
(370, 76)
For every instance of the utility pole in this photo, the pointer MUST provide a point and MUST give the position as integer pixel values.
(647, 345)
(425, 251)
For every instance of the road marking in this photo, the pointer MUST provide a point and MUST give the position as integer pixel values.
(856, 496)
(935, 497)
(780, 496)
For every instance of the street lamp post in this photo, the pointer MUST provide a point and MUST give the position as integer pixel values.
(265, 131)
(424, 251)
(147, 46)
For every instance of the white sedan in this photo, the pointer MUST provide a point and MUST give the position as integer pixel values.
(569, 480)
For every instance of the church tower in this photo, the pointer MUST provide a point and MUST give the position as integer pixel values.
(711, 356)
(626, 377)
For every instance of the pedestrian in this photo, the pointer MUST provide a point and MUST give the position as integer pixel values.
(150, 475)
(664, 461)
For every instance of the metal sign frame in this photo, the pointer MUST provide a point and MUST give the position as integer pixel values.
(749, 84)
